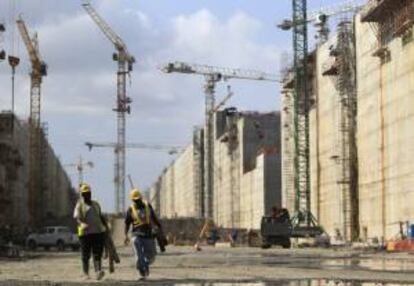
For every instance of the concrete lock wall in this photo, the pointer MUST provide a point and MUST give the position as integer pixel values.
(385, 144)
(177, 192)
(246, 173)
(246, 184)
(287, 151)
(385, 137)
(260, 190)
(325, 151)
(58, 194)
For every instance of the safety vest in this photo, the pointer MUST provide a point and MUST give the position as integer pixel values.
(82, 213)
(140, 217)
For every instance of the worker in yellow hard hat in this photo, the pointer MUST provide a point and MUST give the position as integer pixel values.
(142, 217)
(92, 226)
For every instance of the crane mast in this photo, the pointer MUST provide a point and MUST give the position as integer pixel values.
(212, 76)
(39, 69)
(125, 66)
(301, 114)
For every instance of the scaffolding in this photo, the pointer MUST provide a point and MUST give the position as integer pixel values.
(342, 66)
(389, 19)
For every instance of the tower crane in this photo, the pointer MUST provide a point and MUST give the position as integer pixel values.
(39, 70)
(320, 17)
(212, 76)
(305, 224)
(170, 149)
(125, 65)
(80, 167)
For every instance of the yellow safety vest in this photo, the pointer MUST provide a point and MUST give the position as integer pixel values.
(82, 212)
(138, 219)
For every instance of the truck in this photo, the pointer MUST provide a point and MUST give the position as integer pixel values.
(60, 237)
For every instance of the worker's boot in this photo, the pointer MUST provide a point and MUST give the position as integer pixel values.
(98, 269)
(85, 269)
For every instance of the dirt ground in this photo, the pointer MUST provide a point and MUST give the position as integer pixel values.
(182, 265)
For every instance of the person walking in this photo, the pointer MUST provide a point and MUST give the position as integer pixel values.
(91, 231)
(141, 216)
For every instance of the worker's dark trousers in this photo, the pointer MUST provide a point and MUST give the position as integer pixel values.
(92, 244)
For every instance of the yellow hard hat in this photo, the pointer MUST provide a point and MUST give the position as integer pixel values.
(84, 188)
(135, 194)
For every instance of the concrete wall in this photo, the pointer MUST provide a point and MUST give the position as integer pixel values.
(245, 185)
(178, 191)
(287, 150)
(58, 196)
(385, 137)
(247, 175)
(260, 190)
(385, 142)
(325, 151)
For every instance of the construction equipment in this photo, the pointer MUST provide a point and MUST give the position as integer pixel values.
(80, 168)
(13, 62)
(223, 102)
(304, 222)
(125, 64)
(2, 51)
(213, 75)
(39, 70)
(276, 229)
(170, 149)
(320, 18)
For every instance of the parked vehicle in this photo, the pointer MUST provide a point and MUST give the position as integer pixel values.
(60, 237)
(276, 230)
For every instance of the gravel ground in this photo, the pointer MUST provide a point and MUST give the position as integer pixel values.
(184, 265)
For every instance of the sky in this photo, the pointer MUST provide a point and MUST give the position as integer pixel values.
(80, 90)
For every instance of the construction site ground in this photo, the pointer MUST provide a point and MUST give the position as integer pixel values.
(183, 265)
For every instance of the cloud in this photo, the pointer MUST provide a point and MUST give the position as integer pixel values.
(79, 92)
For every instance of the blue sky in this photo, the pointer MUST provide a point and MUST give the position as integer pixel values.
(79, 92)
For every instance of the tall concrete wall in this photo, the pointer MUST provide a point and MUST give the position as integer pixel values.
(325, 143)
(178, 191)
(385, 137)
(385, 116)
(57, 198)
(245, 183)
(287, 150)
(247, 175)
(260, 190)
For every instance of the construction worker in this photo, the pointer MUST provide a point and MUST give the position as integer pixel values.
(141, 216)
(91, 231)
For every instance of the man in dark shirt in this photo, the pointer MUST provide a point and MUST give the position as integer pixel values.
(141, 216)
